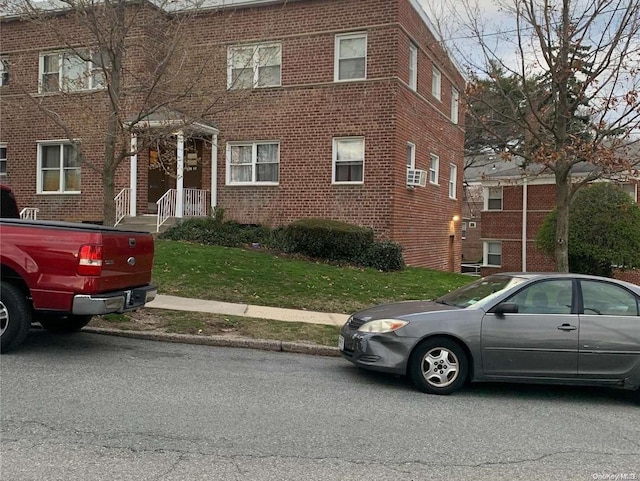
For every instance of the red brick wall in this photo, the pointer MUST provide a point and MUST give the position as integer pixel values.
(304, 115)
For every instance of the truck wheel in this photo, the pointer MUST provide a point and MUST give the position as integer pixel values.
(15, 317)
(68, 323)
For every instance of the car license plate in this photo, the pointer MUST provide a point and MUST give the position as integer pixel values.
(341, 343)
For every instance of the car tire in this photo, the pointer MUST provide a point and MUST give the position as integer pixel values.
(438, 366)
(70, 323)
(15, 317)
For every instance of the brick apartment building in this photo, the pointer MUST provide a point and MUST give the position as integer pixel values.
(354, 116)
(513, 209)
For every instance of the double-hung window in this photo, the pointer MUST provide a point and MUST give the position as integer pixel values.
(4, 71)
(72, 71)
(58, 168)
(436, 83)
(413, 67)
(493, 198)
(253, 66)
(3, 160)
(492, 253)
(348, 160)
(434, 167)
(253, 163)
(411, 155)
(455, 98)
(453, 181)
(350, 57)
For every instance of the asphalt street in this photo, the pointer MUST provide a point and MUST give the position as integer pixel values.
(93, 407)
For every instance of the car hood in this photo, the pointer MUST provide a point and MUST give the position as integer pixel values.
(401, 310)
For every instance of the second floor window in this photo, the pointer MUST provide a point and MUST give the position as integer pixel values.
(253, 66)
(494, 198)
(351, 57)
(436, 83)
(455, 97)
(72, 71)
(434, 166)
(413, 67)
(58, 168)
(453, 181)
(253, 163)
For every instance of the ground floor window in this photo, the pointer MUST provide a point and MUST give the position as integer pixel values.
(58, 168)
(492, 253)
(3, 160)
(348, 160)
(253, 163)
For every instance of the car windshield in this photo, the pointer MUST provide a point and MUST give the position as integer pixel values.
(479, 292)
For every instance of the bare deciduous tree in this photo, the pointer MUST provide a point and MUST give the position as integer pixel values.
(575, 68)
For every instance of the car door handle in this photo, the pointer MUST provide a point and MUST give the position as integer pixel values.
(567, 327)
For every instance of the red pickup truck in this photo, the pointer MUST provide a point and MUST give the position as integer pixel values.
(61, 274)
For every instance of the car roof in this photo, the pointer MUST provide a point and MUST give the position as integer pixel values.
(546, 275)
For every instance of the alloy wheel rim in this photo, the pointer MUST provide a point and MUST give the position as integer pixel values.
(440, 367)
(4, 318)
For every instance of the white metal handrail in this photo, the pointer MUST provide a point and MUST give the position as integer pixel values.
(194, 202)
(29, 213)
(166, 207)
(123, 204)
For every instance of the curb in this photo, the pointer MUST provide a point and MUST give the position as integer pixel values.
(222, 341)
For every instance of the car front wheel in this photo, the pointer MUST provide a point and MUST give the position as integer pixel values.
(438, 366)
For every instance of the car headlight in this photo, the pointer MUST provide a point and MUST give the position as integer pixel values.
(382, 325)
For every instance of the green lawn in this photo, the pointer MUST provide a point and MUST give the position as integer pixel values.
(258, 277)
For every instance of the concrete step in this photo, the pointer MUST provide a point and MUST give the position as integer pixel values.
(145, 223)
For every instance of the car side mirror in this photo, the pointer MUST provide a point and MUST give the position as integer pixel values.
(505, 308)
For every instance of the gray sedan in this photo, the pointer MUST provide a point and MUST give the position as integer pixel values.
(546, 328)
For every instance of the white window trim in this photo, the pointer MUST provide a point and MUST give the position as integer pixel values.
(436, 83)
(39, 190)
(255, 64)
(336, 55)
(254, 161)
(453, 181)
(334, 156)
(436, 171)
(472, 225)
(90, 68)
(412, 148)
(455, 98)
(4, 69)
(413, 66)
(486, 198)
(485, 253)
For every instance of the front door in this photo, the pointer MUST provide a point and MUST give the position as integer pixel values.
(192, 164)
(540, 340)
(159, 181)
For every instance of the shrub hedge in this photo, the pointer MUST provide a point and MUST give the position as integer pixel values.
(318, 238)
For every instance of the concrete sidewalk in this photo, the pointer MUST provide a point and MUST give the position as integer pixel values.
(245, 310)
(174, 303)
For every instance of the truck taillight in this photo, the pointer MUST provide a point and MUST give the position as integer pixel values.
(90, 260)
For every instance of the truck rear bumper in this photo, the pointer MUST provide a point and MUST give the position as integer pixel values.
(119, 301)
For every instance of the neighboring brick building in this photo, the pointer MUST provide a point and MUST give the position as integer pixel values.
(511, 202)
(354, 116)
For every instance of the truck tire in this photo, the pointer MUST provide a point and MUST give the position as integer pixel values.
(68, 323)
(15, 317)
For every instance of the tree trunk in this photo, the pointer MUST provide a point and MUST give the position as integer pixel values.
(562, 226)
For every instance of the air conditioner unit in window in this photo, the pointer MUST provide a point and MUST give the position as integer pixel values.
(416, 178)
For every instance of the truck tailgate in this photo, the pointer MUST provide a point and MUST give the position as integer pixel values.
(127, 260)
